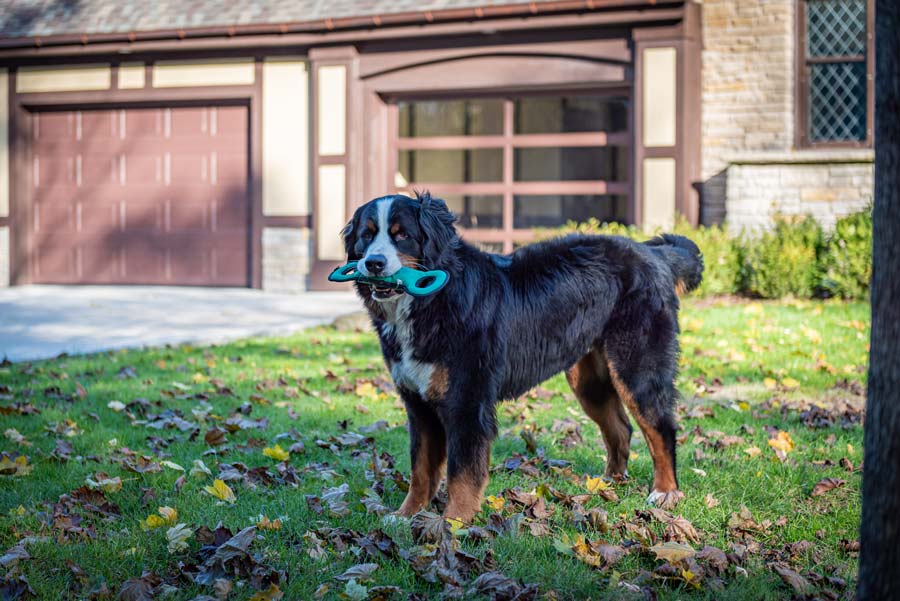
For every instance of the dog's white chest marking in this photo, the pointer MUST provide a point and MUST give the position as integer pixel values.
(407, 372)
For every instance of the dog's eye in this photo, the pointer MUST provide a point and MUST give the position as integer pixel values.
(367, 235)
(400, 236)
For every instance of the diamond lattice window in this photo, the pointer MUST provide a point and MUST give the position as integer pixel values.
(835, 60)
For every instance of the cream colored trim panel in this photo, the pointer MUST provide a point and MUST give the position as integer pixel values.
(659, 193)
(659, 86)
(285, 135)
(331, 213)
(179, 74)
(4, 257)
(132, 76)
(332, 107)
(4, 146)
(32, 80)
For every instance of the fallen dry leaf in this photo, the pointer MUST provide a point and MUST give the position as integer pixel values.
(826, 484)
(360, 572)
(177, 537)
(276, 453)
(791, 578)
(673, 552)
(221, 491)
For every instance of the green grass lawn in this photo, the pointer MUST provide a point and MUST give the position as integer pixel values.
(749, 371)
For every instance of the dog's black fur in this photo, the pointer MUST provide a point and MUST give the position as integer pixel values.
(602, 308)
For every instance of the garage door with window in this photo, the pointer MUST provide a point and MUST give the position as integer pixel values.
(508, 165)
(140, 196)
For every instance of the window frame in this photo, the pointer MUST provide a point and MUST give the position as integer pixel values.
(508, 141)
(801, 83)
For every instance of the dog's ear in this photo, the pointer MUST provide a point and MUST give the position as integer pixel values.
(436, 222)
(349, 234)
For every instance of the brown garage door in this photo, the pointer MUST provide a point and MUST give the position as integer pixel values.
(140, 196)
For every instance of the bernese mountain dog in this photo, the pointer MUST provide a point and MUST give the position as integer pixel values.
(604, 309)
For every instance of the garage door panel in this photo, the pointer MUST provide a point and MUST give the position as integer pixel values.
(93, 170)
(97, 264)
(51, 218)
(193, 121)
(55, 265)
(229, 214)
(153, 196)
(54, 126)
(50, 170)
(143, 217)
(144, 263)
(143, 169)
(228, 167)
(188, 216)
(145, 124)
(96, 125)
(96, 218)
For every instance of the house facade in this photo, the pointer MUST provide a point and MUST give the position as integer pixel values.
(214, 143)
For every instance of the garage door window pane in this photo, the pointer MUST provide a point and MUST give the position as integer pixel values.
(570, 114)
(475, 117)
(608, 163)
(476, 212)
(450, 166)
(556, 210)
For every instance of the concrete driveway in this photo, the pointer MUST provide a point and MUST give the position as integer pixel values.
(38, 322)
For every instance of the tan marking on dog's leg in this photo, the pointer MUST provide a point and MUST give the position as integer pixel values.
(680, 288)
(600, 402)
(425, 477)
(665, 491)
(466, 489)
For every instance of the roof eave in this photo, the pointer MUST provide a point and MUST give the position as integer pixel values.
(362, 23)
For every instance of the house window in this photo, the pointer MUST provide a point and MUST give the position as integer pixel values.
(835, 72)
(508, 165)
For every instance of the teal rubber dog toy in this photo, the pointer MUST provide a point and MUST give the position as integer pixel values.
(411, 281)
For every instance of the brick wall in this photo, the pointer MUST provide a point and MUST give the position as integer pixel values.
(286, 259)
(750, 167)
(826, 185)
(747, 89)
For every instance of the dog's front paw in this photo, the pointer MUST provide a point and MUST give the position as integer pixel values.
(665, 500)
(617, 478)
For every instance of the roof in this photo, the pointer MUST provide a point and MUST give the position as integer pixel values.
(44, 18)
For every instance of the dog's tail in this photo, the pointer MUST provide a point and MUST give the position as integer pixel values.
(683, 257)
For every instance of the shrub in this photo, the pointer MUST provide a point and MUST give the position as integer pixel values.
(847, 257)
(783, 261)
(593, 226)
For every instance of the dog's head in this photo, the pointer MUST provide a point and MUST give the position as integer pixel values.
(396, 231)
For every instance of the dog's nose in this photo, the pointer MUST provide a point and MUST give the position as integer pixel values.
(376, 264)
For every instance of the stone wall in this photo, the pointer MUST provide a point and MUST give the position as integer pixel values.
(747, 89)
(286, 259)
(824, 184)
(4, 257)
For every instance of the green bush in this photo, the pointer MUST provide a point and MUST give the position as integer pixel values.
(593, 226)
(784, 260)
(847, 257)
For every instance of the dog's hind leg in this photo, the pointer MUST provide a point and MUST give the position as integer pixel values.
(591, 383)
(428, 453)
(650, 396)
